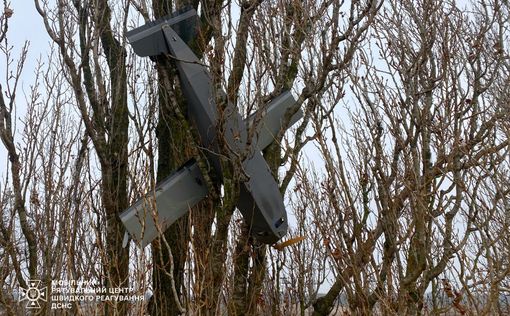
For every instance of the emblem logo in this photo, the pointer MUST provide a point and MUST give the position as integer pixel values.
(33, 294)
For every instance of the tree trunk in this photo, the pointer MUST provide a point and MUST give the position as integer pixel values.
(114, 171)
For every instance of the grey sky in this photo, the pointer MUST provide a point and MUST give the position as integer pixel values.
(26, 25)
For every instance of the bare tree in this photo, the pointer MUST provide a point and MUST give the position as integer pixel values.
(396, 178)
(403, 172)
(101, 98)
(264, 48)
(42, 195)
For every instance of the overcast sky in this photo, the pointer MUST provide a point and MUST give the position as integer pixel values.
(26, 25)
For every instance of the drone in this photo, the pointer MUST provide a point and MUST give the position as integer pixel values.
(260, 201)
